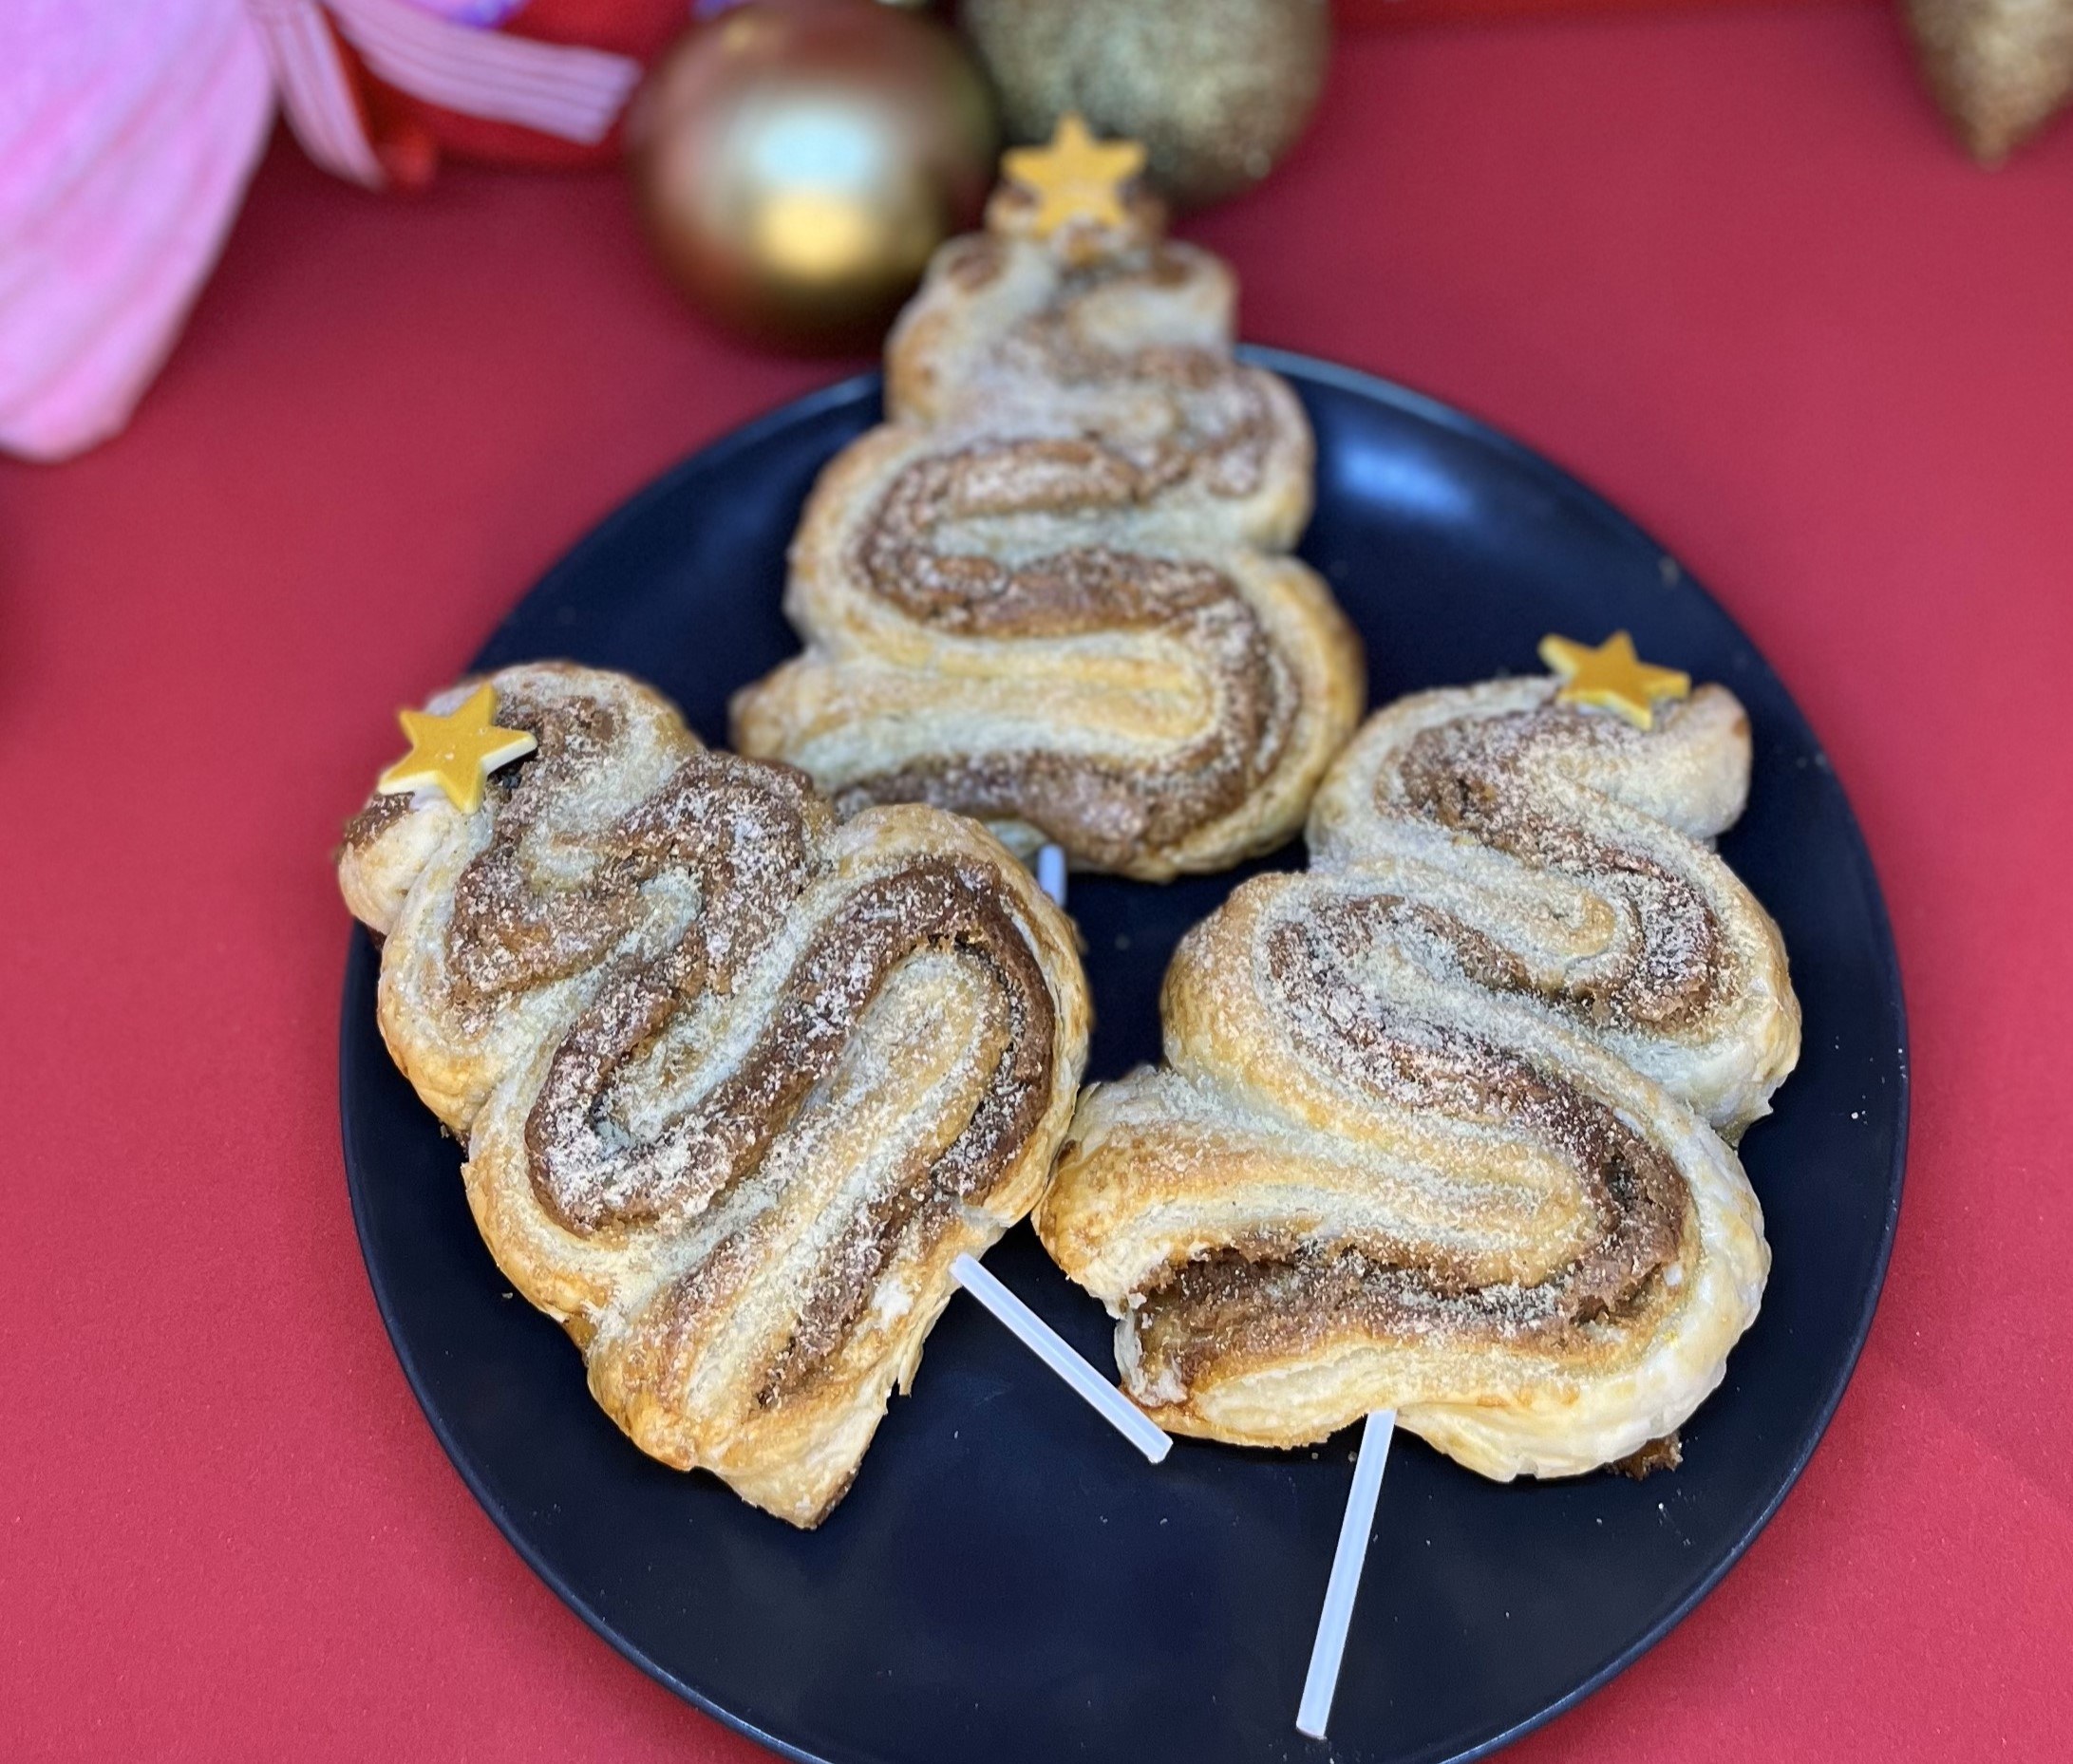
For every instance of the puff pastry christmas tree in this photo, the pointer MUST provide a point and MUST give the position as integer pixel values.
(1054, 591)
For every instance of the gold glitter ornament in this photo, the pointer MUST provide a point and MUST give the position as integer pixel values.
(1217, 90)
(1999, 69)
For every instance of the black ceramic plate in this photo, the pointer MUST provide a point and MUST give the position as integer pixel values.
(1007, 1581)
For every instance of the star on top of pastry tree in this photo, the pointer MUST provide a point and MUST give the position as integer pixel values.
(1075, 177)
(1611, 676)
(455, 752)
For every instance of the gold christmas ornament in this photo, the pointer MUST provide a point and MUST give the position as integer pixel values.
(1999, 69)
(1611, 676)
(1217, 90)
(796, 161)
(456, 752)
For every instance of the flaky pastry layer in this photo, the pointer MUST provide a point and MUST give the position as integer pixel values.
(738, 1081)
(1444, 1123)
(1053, 591)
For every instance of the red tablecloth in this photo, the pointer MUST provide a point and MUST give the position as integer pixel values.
(1730, 268)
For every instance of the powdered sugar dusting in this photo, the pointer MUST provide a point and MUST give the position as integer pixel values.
(1091, 473)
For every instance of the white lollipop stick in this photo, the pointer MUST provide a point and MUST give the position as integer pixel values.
(1048, 1347)
(1330, 1648)
(1051, 872)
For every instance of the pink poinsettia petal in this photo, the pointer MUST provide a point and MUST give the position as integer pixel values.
(126, 144)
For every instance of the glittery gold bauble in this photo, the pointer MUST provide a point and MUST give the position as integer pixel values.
(795, 163)
(2000, 69)
(1217, 90)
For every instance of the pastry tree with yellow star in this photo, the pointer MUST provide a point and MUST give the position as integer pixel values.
(1054, 591)
(1446, 1123)
(739, 1080)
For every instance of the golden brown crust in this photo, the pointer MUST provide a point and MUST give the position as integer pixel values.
(738, 1082)
(1051, 591)
(1403, 1153)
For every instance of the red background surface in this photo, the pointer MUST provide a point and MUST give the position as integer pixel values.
(1728, 268)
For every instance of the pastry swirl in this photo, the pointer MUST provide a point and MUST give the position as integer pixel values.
(738, 1081)
(1051, 591)
(1443, 1122)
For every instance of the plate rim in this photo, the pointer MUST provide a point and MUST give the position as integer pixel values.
(1573, 491)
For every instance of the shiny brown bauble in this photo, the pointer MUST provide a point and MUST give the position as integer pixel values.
(796, 161)
(1217, 90)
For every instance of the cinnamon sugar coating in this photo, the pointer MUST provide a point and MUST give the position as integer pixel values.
(1440, 1127)
(1053, 591)
(738, 1082)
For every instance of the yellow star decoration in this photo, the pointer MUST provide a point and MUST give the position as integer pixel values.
(455, 752)
(1075, 178)
(1611, 676)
